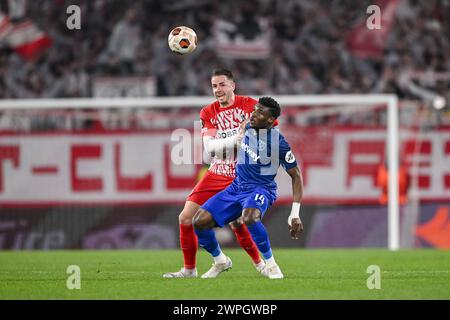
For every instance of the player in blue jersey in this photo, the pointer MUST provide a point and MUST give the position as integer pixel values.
(262, 150)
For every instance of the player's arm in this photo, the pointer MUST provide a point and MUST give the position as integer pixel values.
(294, 221)
(222, 146)
(218, 146)
(209, 131)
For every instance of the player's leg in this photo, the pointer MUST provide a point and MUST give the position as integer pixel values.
(188, 242)
(204, 189)
(252, 218)
(217, 211)
(246, 242)
(255, 205)
(204, 223)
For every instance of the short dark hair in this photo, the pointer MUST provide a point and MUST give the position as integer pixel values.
(272, 104)
(223, 72)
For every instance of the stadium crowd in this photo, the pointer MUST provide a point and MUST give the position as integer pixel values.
(308, 48)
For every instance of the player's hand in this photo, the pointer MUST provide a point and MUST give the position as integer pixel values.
(241, 133)
(295, 228)
(244, 122)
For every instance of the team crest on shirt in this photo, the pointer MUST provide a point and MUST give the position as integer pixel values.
(261, 145)
(289, 157)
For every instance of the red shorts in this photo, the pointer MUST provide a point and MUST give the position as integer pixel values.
(208, 186)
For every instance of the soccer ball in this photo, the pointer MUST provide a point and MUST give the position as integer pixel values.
(182, 40)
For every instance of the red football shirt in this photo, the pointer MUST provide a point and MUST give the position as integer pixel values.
(223, 122)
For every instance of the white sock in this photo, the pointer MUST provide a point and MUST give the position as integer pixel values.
(221, 258)
(271, 262)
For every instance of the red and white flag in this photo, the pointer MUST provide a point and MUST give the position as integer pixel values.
(230, 42)
(5, 27)
(369, 43)
(25, 38)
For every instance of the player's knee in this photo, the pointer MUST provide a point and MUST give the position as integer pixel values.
(201, 220)
(236, 223)
(186, 216)
(248, 220)
(250, 217)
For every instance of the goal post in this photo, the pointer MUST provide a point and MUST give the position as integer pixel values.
(390, 101)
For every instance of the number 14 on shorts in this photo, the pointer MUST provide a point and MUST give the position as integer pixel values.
(259, 198)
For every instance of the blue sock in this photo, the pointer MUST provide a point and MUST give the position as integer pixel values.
(259, 235)
(207, 240)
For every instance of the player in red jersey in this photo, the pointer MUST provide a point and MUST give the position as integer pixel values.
(220, 125)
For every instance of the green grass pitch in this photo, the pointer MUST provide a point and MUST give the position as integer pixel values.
(309, 274)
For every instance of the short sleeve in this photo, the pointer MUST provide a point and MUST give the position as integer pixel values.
(248, 104)
(287, 158)
(208, 129)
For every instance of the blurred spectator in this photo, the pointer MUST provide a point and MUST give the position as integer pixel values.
(121, 52)
(308, 50)
(305, 82)
(404, 182)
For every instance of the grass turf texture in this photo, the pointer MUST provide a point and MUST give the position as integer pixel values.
(309, 274)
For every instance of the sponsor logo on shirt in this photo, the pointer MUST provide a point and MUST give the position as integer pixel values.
(226, 133)
(252, 154)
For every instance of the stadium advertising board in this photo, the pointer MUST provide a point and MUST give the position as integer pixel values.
(136, 167)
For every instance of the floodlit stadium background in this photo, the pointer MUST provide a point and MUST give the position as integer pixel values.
(103, 178)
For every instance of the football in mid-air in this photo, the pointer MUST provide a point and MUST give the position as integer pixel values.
(182, 40)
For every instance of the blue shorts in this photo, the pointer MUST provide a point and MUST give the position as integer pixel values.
(227, 205)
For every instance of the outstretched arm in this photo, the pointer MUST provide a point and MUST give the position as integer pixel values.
(222, 146)
(294, 221)
(218, 146)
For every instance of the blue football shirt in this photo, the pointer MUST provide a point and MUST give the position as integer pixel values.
(260, 154)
